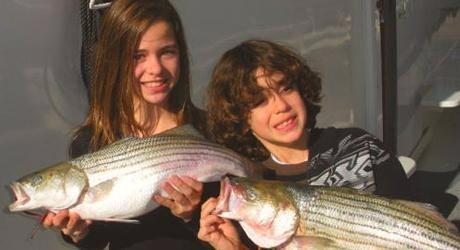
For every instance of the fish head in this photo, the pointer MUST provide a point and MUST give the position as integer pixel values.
(240, 198)
(264, 209)
(53, 188)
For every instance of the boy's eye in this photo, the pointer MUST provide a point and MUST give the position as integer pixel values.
(260, 102)
(286, 89)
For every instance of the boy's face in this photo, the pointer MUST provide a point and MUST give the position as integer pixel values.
(280, 120)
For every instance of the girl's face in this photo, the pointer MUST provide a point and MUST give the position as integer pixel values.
(281, 118)
(157, 66)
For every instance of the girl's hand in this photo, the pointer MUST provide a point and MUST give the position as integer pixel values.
(69, 223)
(220, 233)
(185, 196)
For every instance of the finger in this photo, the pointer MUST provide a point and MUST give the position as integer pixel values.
(197, 190)
(210, 220)
(206, 229)
(175, 195)
(194, 184)
(208, 206)
(48, 220)
(181, 186)
(202, 234)
(80, 228)
(164, 201)
(61, 219)
(205, 232)
(74, 219)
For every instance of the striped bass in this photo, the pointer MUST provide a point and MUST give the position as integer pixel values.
(294, 216)
(118, 181)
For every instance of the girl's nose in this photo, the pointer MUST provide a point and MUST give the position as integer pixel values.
(153, 66)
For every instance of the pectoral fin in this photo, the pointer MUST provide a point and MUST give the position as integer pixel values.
(304, 242)
(100, 191)
(122, 220)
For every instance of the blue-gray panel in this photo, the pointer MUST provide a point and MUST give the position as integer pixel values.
(41, 101)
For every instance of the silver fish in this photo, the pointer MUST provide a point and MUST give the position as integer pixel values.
(118, 181)
(294, 216)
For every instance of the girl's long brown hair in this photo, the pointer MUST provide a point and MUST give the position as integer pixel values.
(113, 88)
(233, 91)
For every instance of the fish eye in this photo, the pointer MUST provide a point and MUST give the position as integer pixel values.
(251, 196)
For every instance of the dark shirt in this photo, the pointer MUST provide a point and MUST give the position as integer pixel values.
(348, 157)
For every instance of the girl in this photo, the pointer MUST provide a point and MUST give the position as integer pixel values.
(140, 88)
(262, 102)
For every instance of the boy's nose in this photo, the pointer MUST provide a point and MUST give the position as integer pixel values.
(281, 104)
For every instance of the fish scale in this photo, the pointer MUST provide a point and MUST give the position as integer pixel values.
(368, 223)
(330, 218)
(137, 154)
(119, 180)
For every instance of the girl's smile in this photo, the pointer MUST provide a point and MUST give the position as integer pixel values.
(157, 63)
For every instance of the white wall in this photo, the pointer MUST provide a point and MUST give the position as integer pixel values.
(41, 100)
(428, 60)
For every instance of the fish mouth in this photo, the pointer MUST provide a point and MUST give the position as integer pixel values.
(228, 201)
(224, 195)
(21, 197)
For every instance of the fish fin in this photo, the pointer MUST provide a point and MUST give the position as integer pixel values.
(277, 232)
(432, 212)
(186, 129)
(121, 141)
(308, 242)
(124, 140)
(119, 220)
(100, 190)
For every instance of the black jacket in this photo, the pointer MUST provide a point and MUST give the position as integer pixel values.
(348, 157)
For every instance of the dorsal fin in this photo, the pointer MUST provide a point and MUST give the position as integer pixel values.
(186, 129)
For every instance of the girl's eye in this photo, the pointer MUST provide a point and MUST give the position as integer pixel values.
(138, 57)
(170, 52)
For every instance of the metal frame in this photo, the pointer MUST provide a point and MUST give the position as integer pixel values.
(387, 10)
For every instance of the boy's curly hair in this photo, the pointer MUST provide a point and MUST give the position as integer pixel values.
(233, 91)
